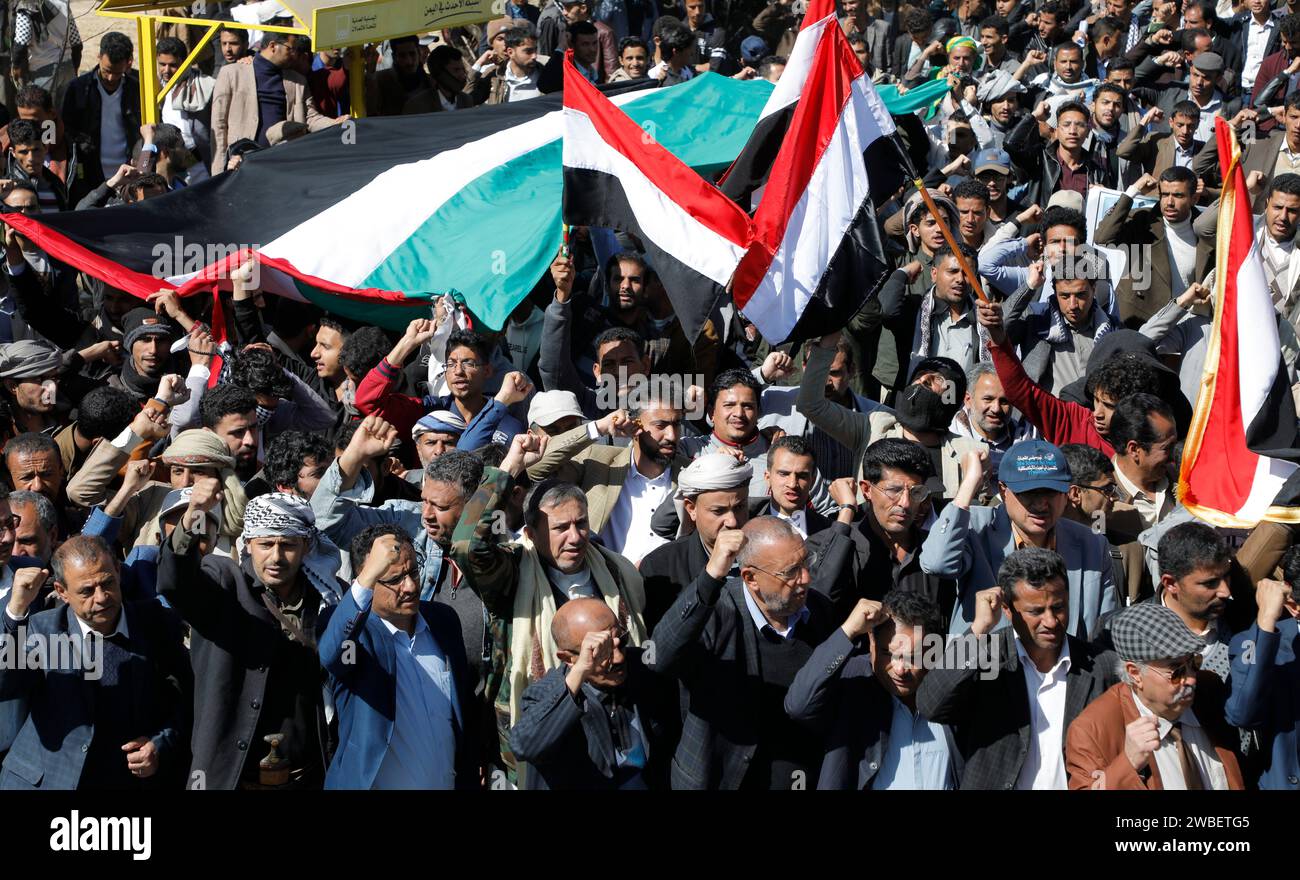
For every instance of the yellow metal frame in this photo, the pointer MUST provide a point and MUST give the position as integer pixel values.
(152, 93)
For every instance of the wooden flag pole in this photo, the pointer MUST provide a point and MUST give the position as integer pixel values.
(948, 237)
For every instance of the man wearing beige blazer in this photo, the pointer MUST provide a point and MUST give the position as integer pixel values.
(237, 109)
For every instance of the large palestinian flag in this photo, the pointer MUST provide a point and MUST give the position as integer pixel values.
(1240, 450)
(372, 219)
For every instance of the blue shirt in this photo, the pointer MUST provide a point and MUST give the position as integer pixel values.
(917, 756)
(422, 750)
(756, 614)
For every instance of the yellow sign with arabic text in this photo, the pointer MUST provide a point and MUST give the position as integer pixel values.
(371, 21)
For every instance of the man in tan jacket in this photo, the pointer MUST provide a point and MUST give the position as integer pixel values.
(247, 100)
(1162, 727)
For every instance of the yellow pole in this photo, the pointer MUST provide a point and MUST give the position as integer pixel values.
(185, 65)
(357, 80)
(148, 71)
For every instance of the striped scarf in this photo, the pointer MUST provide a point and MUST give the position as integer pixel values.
(924, 321)
(1059, 331)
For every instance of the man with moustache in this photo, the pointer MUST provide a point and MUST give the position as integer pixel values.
(146, 347)
(1010, 696)
(864, 696)
(986, 414)
(714, 493)
(1195, 564)
(736, 643)
(1162, 727)
(399, 678)
(522, 583)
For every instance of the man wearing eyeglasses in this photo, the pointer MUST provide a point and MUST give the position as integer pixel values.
(397, 668)
(736, 643)
(1092, 500)
(589, 723)
(469, 368)
(1162, 727)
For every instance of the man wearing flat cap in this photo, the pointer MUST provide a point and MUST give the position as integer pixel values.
(1163, 726)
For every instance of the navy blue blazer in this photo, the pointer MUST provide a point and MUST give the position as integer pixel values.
(1265, 698)
(365, 689)
(49, 751)
(837, 695)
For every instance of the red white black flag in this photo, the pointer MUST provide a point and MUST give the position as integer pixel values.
(1240, 450)
(816, 252)
(616, 175)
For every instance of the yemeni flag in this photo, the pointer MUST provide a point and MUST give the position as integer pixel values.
(1240, 450)
(373, 219)
(749, 172)
(617, 175)
(816, 252)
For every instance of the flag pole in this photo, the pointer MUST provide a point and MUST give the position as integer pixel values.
(966, 269)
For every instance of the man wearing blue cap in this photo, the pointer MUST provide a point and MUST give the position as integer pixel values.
(970, 542)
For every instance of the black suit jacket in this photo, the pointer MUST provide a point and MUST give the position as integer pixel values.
(566, 740)
(837, 695)
(233, 640)
(708, 640)
(990, 717)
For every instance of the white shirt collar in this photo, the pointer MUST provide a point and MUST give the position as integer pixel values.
(799, 520)
(1163, 725)
(121, 626)
(1062, 663)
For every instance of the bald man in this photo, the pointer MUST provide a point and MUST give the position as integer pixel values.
(736, 643)
(587, 724)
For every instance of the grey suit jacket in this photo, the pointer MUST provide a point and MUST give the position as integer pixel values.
(971, 545)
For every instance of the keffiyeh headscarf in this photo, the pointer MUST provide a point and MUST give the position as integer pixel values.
(278, 515)
(28, 359)
(996, 85)
(281, 515)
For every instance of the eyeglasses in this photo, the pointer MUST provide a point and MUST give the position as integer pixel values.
(1187, 669)
(915, 494)
(467, 365)
(1110, 490)
(792, 573)
(395, 581)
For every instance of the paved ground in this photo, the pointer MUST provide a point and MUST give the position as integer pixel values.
(92, 27)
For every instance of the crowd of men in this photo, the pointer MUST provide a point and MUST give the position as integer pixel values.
(939, 548)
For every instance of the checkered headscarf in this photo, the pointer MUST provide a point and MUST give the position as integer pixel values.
(278, 515)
